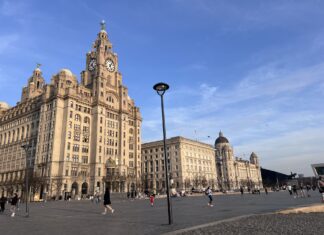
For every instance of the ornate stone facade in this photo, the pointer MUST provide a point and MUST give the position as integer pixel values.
(196, 165)
(232, 173)
(83, 136)
(192, 165)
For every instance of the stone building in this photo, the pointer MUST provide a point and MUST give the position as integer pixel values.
(234, 172)
(192, 165)
(83, 135)
(196, 165)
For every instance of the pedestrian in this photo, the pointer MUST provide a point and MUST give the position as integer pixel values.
(241, 190)
(3, 201)
(209, 193)
(107, 202)
(308, 188)
(152, 196)
(128, 195)
(289, 189)
(294, 189)
(266, 190)
(14, 202)
(320, 185)
(302, 193)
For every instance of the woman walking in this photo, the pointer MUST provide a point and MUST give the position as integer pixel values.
(107, 202)
(210, 196)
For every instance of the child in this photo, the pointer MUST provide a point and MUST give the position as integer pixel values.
(152, 199)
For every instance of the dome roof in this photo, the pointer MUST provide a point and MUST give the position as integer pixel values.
(221, 139)
(4, 105)
(66, 72)
(253, 154)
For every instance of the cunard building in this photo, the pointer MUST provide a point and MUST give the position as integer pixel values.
(83, 136)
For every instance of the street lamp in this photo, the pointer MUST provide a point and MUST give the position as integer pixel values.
(26, 147)
(160, 89)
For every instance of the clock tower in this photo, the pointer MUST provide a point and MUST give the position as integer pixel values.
(101, 67)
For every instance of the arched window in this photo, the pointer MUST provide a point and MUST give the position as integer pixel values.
(13, 136)
(22, 133)
(71, 104)
(27, 131)
(77, 117)
(18, 134)
(86, 120)
(9, 135)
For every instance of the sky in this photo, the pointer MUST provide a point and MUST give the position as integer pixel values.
(252, 69)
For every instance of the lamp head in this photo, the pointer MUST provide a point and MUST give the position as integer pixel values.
(161, 88)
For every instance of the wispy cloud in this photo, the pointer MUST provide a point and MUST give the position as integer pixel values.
(261, 107)
(8, 42)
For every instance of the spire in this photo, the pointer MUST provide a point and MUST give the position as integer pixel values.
(221, 134)
(103, 25)
(38, 65)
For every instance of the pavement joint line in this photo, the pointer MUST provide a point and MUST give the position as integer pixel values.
(212, 224)
(233, 219)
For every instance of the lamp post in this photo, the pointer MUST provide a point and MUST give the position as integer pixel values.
(26, 147)
(160, 89)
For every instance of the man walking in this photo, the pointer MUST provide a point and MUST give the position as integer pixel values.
(3, 201)
(289, 189)
(320, 185)
(14, 202)
(210, 196)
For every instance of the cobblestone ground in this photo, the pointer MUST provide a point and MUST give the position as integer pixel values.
(312, 223)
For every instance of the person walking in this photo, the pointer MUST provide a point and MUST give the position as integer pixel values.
(289, 189)
(302, 193)
(3, 201)
(320, 185)
(152, 196)
(266, 190)
(241, 190)
(308, 188)
(14, 202)
(209, 193)
(294, 189)
(107, 202)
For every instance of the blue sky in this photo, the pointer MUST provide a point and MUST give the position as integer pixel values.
(253, 69)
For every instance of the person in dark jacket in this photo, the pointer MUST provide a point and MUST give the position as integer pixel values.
(14, 202)
(3, 201)
(107, 202)
(320, 185)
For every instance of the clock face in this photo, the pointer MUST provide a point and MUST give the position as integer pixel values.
(110, 65)
(92, 64)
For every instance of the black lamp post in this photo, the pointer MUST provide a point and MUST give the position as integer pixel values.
(160, 89)
(26, 147)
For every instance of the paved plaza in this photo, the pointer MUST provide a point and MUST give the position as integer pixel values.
(138, 217)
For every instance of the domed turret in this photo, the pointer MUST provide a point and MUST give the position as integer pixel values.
(221, 139)
(254, 159)
(66, 72)
(4, 105)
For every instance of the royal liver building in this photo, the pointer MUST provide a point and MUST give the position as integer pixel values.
(83, 136)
